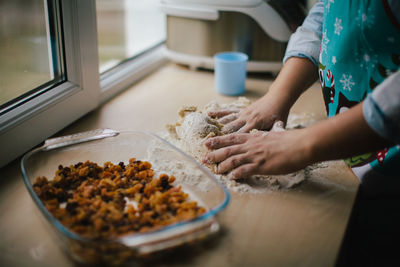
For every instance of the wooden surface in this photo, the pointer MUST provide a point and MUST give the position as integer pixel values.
(300, 227)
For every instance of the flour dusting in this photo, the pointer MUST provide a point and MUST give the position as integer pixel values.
(160, 157)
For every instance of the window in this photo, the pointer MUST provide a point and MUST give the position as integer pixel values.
(50, 63)
(127, 28)
(130, 36)
(30, 49)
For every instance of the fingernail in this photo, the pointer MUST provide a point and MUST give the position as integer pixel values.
(206, 160)
(211, 114)
(209, 143)
(221, 171)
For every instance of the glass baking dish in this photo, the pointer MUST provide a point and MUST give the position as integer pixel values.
(108, 145)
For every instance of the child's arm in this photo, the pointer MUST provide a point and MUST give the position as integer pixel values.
(344, 135)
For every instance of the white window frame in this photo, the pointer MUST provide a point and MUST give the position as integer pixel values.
(122, 76)
(31, 123)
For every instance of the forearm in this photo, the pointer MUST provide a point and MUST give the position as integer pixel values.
(296, 76)
(342, 136)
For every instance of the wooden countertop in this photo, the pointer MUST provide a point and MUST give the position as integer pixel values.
(300, 227)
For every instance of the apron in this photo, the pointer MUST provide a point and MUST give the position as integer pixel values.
(360, 47)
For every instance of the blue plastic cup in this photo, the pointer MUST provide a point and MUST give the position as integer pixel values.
(230, 72)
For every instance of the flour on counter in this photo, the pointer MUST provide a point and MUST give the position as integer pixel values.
(160, 157)
(301, 120)
(195, 127)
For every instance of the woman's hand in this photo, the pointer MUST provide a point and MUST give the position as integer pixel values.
(244, 154)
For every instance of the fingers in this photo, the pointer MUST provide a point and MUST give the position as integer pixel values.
(243, 171)
(229, 118)
(227, 140)
(278, 126)
(233, 126)
(232, 163)
(222, 154)
(222, 113)
(245, 129)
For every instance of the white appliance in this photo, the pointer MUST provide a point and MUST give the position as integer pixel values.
(198, 29)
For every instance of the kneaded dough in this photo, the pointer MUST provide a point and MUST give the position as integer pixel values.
(197, 125)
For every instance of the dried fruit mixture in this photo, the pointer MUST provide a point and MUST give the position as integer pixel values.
(114, 200)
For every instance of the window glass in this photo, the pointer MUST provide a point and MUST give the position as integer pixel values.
(127, 28)
(29, 50)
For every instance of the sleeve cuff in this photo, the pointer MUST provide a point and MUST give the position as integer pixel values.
(379, 122)
(301, 55)
(304, 43)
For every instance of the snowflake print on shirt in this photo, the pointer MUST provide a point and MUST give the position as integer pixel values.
(334, 60)
(338, 26)
(366, 60)
(328, 5)
(324, 43)
(365, 18)
(347, 82)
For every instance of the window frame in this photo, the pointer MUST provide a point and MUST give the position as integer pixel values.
(119, 78)
(32, 122)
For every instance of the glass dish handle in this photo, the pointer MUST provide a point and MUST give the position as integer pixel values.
(77, 138)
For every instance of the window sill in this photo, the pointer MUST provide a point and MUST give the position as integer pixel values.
(121, 77)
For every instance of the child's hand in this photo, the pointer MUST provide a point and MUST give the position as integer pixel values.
(244, 154)
(260, 115)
